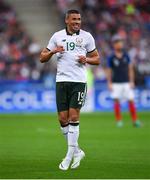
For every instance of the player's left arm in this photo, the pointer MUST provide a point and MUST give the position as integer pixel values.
(92, 58)
(131, 75)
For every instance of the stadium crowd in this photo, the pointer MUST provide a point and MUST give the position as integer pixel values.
(19, 53)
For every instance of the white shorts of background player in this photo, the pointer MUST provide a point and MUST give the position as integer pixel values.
(122, 91)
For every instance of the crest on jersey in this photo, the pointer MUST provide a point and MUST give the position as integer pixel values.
(116, 62)
(79, 41)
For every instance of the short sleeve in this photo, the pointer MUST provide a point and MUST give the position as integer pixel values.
(109, 62)
(90, 44)
(128, 58)
(52, 43)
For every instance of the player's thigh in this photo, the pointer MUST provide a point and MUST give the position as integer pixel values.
(74, 115)
(116, 91)
(62, 97)
(77, 95)
(128, 92)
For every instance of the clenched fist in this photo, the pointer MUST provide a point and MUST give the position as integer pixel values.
(82, 59)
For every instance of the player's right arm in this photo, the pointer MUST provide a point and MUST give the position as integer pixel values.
(109, 79)
(46, 54)
(52, 48)
(109, 73)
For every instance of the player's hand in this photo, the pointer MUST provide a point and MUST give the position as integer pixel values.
(58, 49)
(110, 86)
(82, 59)
(132, 85)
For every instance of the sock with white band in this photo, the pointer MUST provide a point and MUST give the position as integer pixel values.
(65, 130)
(73, 136)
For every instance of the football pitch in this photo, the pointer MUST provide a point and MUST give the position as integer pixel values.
(32, 146)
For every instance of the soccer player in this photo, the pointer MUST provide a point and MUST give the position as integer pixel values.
(120, 76)
(74, 49)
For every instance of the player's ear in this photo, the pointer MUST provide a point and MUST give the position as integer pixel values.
(66, 20)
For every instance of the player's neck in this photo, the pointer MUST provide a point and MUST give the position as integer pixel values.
(119, 54)
(69, 30)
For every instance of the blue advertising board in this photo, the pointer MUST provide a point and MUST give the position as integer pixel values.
(34, 97)
(103, 101)
(26, 97)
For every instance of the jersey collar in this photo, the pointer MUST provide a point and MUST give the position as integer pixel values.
(69, 34)
(123, 54)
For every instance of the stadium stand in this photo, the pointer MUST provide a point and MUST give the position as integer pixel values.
(40, 18)
(19, 52)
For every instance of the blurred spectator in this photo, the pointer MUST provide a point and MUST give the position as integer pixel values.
(18, 52)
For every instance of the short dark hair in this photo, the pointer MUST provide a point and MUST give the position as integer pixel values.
(72, 11)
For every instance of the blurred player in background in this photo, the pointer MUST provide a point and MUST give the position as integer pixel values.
(74, 49)
(120, 76)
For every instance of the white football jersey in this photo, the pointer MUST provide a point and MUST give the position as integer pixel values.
(68, 67)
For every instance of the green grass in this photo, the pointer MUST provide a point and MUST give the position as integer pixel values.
(32, 146)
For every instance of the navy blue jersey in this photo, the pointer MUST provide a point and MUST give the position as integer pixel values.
(119, 67)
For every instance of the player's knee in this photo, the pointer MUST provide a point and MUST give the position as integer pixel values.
(116, 100)
(63, 119)
(131, 101)
(73, 118)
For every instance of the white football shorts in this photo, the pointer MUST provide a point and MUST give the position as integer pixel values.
(122, 91)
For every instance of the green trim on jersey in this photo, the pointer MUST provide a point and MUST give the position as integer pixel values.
(92, 50)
